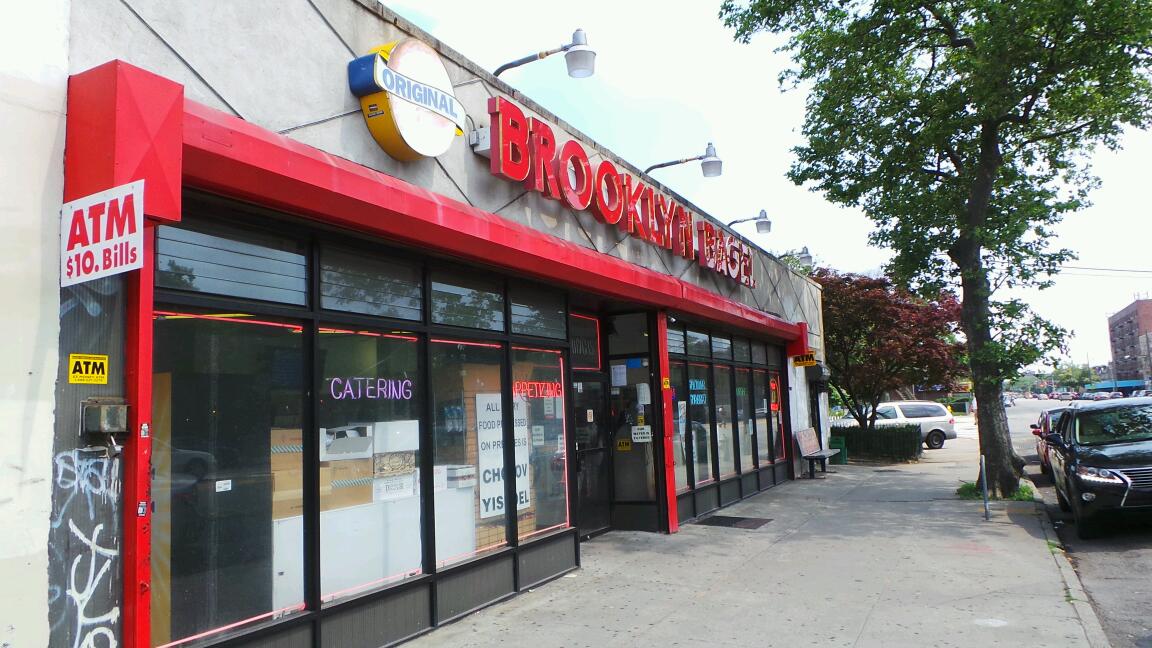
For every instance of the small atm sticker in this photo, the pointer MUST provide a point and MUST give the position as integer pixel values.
(624, 445)
(87, 369)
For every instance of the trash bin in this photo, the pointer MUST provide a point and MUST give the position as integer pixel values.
(837, 442)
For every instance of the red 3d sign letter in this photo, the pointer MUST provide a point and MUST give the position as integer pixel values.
(510, 157)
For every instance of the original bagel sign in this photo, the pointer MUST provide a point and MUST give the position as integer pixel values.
(407, 101)
(525, 150)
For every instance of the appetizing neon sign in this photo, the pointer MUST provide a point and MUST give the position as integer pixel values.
(525, 150)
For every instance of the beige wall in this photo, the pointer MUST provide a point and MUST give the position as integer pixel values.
(33, 68)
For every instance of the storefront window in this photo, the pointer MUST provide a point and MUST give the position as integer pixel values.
(760, 399)
(744, 417)
(741, 350)
(725, 435)
(231, 261)
(459, 300)
(700, 420)
(698, 344)
(584, 338)
(538, 430)
(370, 395)
(359, 282)
(778, 445)
(759, 355)
(680, 436)
(539, 312)
(676, 341)
(467, 428)
(721, 348)
(227, 421)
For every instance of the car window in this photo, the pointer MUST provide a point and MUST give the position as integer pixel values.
(886, 412)
(1120, 425)
(923, 410)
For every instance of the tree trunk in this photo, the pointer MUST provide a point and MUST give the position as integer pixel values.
(1004, 467)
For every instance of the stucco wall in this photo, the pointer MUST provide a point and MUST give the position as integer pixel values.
(33, 69)
(281, 64)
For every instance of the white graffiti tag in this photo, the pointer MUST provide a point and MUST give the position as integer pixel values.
(83, 585)
(92, 478)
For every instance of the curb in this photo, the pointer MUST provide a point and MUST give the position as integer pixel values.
(1074, 590)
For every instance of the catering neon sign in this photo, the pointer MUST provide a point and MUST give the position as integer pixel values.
(525, 150)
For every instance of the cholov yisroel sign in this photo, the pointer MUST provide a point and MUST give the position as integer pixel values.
(102, 234)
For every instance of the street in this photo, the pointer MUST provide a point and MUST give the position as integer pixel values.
(1116, 569)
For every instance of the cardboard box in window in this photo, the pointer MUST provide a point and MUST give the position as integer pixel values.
(288, 437)
(288, 492)
(351, 482)
(282, 461)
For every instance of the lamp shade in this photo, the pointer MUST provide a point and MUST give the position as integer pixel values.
(580, 58)
(710, 164)
(763, 226)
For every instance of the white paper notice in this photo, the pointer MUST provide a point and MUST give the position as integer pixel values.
(537, 435)
(591, 416)
(641, 433)
(394, 487)
(439, 478)
(619, 375)
(643, 394)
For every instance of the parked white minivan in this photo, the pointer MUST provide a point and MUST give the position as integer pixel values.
(936, 423)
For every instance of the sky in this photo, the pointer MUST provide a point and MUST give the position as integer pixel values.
(668, 81)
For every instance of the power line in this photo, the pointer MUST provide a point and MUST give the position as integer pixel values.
(1071, 267)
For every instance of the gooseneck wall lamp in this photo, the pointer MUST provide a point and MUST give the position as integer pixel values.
(763, 225)
(580, 58)
(710, 165)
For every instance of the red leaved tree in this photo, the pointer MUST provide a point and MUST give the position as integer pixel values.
(879, 338)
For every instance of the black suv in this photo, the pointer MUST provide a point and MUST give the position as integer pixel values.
(1101, 456)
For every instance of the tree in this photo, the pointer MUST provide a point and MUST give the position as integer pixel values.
(879, 338)
(961, 129)
(1073, 376)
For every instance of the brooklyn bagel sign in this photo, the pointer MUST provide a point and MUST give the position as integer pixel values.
(525, 150)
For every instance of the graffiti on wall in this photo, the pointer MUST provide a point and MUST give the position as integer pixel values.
(84, 604)
(84, 561)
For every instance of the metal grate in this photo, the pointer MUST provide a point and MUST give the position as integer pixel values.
(1140, 477)
(734, 522)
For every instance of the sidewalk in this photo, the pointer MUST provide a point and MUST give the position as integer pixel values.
(869, 556)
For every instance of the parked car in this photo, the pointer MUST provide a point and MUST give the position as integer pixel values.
(1048, 421)
(1041, 396)
(1101, 456)
(1066, 396)
(1099, 396)
(935, 421)
(1116, 395)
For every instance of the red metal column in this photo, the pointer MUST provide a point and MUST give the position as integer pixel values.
(136, 629)
(669, 419)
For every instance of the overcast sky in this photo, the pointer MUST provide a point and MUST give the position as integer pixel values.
(670, 80)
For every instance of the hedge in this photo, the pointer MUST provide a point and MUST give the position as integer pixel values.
(899, 442)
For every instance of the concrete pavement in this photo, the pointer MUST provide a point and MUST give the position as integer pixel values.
(872, 555)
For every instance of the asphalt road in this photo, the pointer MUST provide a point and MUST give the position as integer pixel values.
(1116, 569)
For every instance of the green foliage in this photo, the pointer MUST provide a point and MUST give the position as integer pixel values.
(1073, 376)
(962, 129)
(971, 490)
(896, 442)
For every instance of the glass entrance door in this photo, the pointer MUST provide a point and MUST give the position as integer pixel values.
(593, 456)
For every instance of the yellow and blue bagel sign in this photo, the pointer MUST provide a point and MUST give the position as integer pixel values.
(406, 99)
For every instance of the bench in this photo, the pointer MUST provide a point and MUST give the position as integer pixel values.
(810, 450)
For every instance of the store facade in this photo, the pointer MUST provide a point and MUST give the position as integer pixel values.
(374, 377)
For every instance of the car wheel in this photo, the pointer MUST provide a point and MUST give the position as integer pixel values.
(1062, 501)
(1087, 526)
(935, 440)
(1045, 468)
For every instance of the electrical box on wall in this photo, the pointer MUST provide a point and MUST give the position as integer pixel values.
(102, 420)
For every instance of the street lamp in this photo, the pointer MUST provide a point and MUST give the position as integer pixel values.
(580, 58)
(763, 225)
(710, 165)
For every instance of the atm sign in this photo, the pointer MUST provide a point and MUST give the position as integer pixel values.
(804, 360)
(87, 369)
